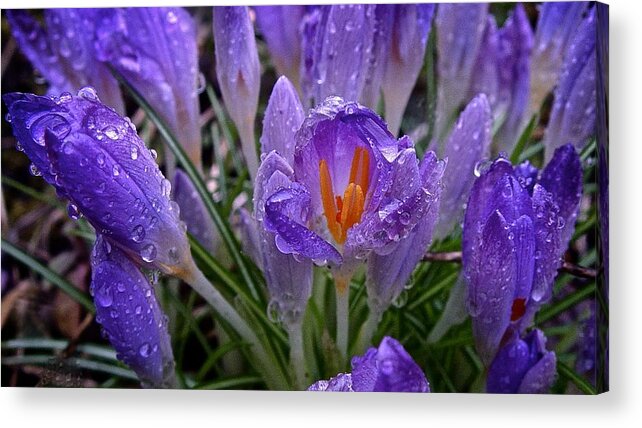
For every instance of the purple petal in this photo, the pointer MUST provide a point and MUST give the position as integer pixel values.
(130, 316)
(388, 274)
(286, 213)
(339, 46)
(99, 163)
(459, 28)
(540, 378)
(527, 174)
(378, 60)
(282, 119)
(340, 383)
(515, 46)
(563, 177)
(492, 286)
(280, 27)
(573, 115)
(556, 25)
(507, 370)
(63, 52)
(155, 50)
(468, 144)
(388, 368)
(194, 213)
(406, 58)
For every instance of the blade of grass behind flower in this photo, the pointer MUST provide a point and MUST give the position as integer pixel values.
(523, 140)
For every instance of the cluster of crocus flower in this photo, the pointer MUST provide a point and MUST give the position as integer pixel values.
(334, 185)
(517, 225)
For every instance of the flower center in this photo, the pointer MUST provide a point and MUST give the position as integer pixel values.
(343, 213)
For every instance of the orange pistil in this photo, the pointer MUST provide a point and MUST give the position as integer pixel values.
(343, 213)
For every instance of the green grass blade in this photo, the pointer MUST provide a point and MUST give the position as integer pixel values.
(567, 373)
(48, 274)
(523, 140)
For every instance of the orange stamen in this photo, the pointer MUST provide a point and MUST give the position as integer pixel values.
(327, 198)
(343, 213)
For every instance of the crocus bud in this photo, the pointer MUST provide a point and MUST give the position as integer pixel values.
(513, 239)
(155, 50)
(522, 366)
(337, 44)
(388, 368)
(409, 36)
(238, 73)
(95, 159)
(459, 28)
(130, 316)
(556, 26)
(280, 27)
(573, 115)
(194, 213)
(63, 51)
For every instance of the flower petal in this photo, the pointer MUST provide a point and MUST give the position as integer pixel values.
(130, 316)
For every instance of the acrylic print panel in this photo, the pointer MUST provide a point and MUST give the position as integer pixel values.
(401, 198)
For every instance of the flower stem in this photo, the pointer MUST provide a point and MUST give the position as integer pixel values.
(343, 294)
(248, 146)
(265, 364)
(297, 357)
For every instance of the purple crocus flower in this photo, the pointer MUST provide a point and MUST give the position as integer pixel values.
(522, 366)
(337, 44)
(354, 187)
(95, 159)
(130, 316)
(409, 35)
(63, 51)
(503, 68)
(459, 29)
(238, 73)
(387, 368)
(573, 115)
(516, 228)
(556, 25)
(289, 279)
(155, 50)
(280, 27)
(466, 145)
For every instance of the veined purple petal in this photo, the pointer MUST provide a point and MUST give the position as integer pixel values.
(573, 115)
(286, 215)
(194, 213)
(381, 49)
(283, 118)
(63, 51)
(155, 50)
(339, 44)
(280, 26)
(467, 144)
(388, 368)
(515, 46)
(388, 274)
(409, 36)
(556, 26)
(522, 366)
(459, 28)
(563, 177)
(492, 284)
(99, 163)
(130, 316)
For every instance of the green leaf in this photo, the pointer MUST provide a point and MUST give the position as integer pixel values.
(522, 142)
(567, 373)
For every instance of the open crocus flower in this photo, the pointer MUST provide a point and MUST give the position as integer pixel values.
(522, 366)
(353, 187)
(516, 228)
(388, 368)
(131, 318)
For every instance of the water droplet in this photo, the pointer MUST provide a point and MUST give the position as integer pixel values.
(111, 133)
(144, 350)
(173, 254)
(138, 310)
(88, 93)
(171, 17)
(154, 154)
(33, 169)
(104, 297)
(166, 187)
(116, 171)
(201, 83)
(138, 233)
(273, 313)
(133, 152)
(72, 211)
(148, 253)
